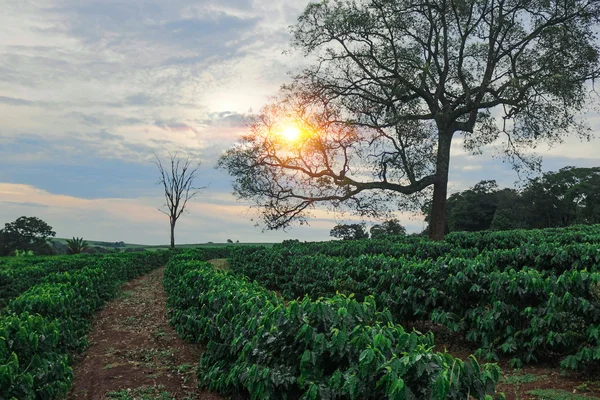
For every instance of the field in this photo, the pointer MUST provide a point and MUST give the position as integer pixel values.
(122, 246)
(511, 315)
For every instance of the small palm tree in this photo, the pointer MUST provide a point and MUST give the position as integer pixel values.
(77, 245)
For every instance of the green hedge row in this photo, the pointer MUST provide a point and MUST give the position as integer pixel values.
(394, 247)
(526, 313)
(17, 274)
(42, 327)
(546, 257)
(334, 348)
(275, 263)
(492, 240)
(459, 244)
(18, 262)
(24, 272)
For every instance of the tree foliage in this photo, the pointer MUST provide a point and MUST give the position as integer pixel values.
(473, 209)
(554, 199)
(565, 197)
(77, 246)
(512, 211)
(26, 234)
(395, 81)
(349, 231)
(391, 227)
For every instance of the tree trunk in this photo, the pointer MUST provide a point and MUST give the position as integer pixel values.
(437, 225)
(172, 234)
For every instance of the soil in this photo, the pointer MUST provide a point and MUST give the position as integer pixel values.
(134, 353)
(519, 384)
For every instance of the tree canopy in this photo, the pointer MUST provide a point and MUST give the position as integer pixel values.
(570, 195)
(77, 246)
(349, 231)
(391, 227)
(473, 209)
(554, 199)
(394, 82)
(26, 234)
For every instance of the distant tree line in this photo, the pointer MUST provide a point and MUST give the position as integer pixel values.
(31, 235)
(555, 199)
(111, 244)
(359, 231)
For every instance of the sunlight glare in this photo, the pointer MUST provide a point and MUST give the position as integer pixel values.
(291, 133)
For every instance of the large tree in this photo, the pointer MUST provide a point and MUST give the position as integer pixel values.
(395, 81)
(177, 180)
(26, 234)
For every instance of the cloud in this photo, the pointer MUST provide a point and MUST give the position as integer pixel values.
(175, 126)
(90, 89)
(12, 101)
(472, 168)
(139, 99)
(137, 220)
(122, 65)
(225, 119)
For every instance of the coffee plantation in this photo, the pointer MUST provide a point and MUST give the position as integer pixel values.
(328, 320)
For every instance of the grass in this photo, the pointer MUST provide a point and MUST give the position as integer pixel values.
(519, 379)
(220, 263)
(150, 357)
(112, 365)
(110, 351)
(141, 393)
(159, 333)
(556, 394)
(184, 368)
(588, 386)
(156, 392)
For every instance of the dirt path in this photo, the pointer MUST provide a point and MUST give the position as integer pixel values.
(134, 354)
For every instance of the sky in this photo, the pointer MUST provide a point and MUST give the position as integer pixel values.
(90, 89)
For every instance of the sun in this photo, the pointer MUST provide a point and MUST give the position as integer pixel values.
(290, 133)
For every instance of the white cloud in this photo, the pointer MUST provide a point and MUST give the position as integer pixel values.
(82, 66)
(213, 217)
(84, 82)
(472, 168)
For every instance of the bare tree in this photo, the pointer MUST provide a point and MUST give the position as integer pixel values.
(178, 184)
